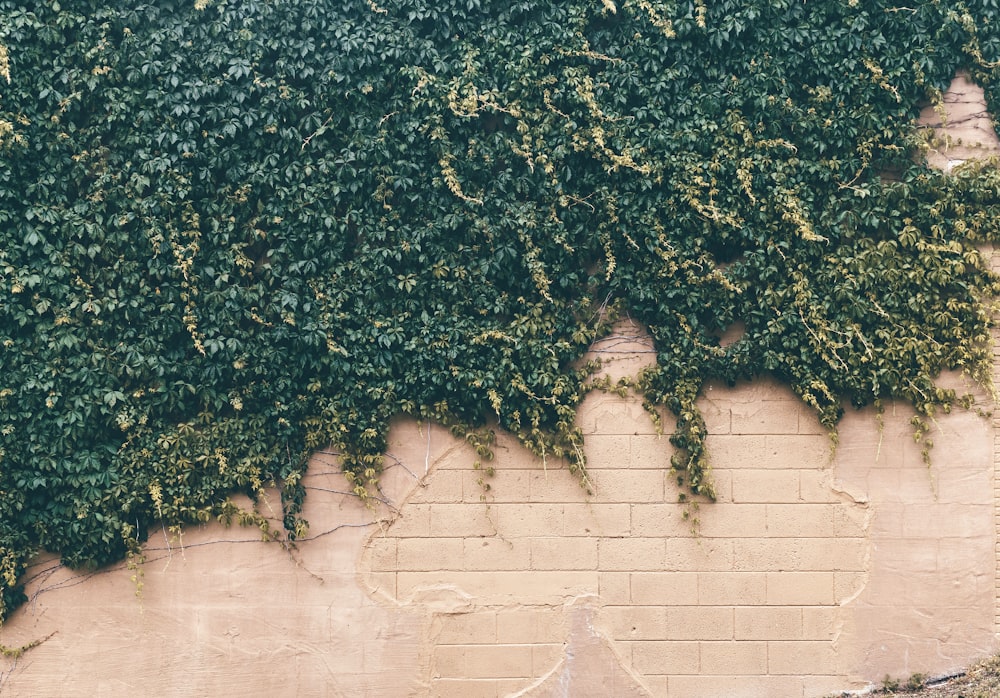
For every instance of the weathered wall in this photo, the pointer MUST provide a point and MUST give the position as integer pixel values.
(818, 569)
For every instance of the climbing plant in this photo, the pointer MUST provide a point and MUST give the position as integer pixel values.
(234, 231)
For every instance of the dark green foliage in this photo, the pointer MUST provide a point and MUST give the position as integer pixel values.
(233, 231)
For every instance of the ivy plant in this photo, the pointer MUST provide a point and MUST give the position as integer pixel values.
(236, 231)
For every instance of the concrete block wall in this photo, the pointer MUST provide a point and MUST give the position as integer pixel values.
(691, 601)
(817, 569)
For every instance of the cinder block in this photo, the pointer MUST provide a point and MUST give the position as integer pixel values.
(604, 413)
(776, 451)
(774, 687)
(766, 486)
(614, 588)
(608, 451)
(506, 485)
(555, 484)
(631, 554)
(664, 588)
(651, 451)
(629, 485)
(528, 625)
(732, 588)
(809, 451)
(563, 553)
(634, 622)
(661, 520)
(449, 661)
(800, 588)
(731, 657)
(591, 519)
(425, 554)
(823, 685)
(809, 424)
(534, 587)
(529, 520)
(768, 623)
(464, 688)
(699, 623)
(837, 554)
(657, 684)
(780, 416)
(439, 486)
(716, 412)
(665, 657)
(767, 554)
(802, 520)
(732, 520)
(528, 587)
(818, 623)
(413, 440)
(510, 687)
(721, 480)
(628, 343)
(498, 661)
(476, 628)
(468, 519)
(496, 554)
(704, 686)
(461, 458)
(801, 657)
(816, 485)
(413, 522)
(699, 554)
(732, 451)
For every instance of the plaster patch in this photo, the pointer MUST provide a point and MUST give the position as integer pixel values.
(589, 667)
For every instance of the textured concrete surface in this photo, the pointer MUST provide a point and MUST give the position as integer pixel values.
(818, 569)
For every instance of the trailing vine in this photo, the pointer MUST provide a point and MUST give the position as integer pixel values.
(236, 231)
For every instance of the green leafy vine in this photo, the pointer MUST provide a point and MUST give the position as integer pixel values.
(233, 232)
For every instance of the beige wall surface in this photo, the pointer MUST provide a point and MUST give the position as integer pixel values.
(818, 569)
